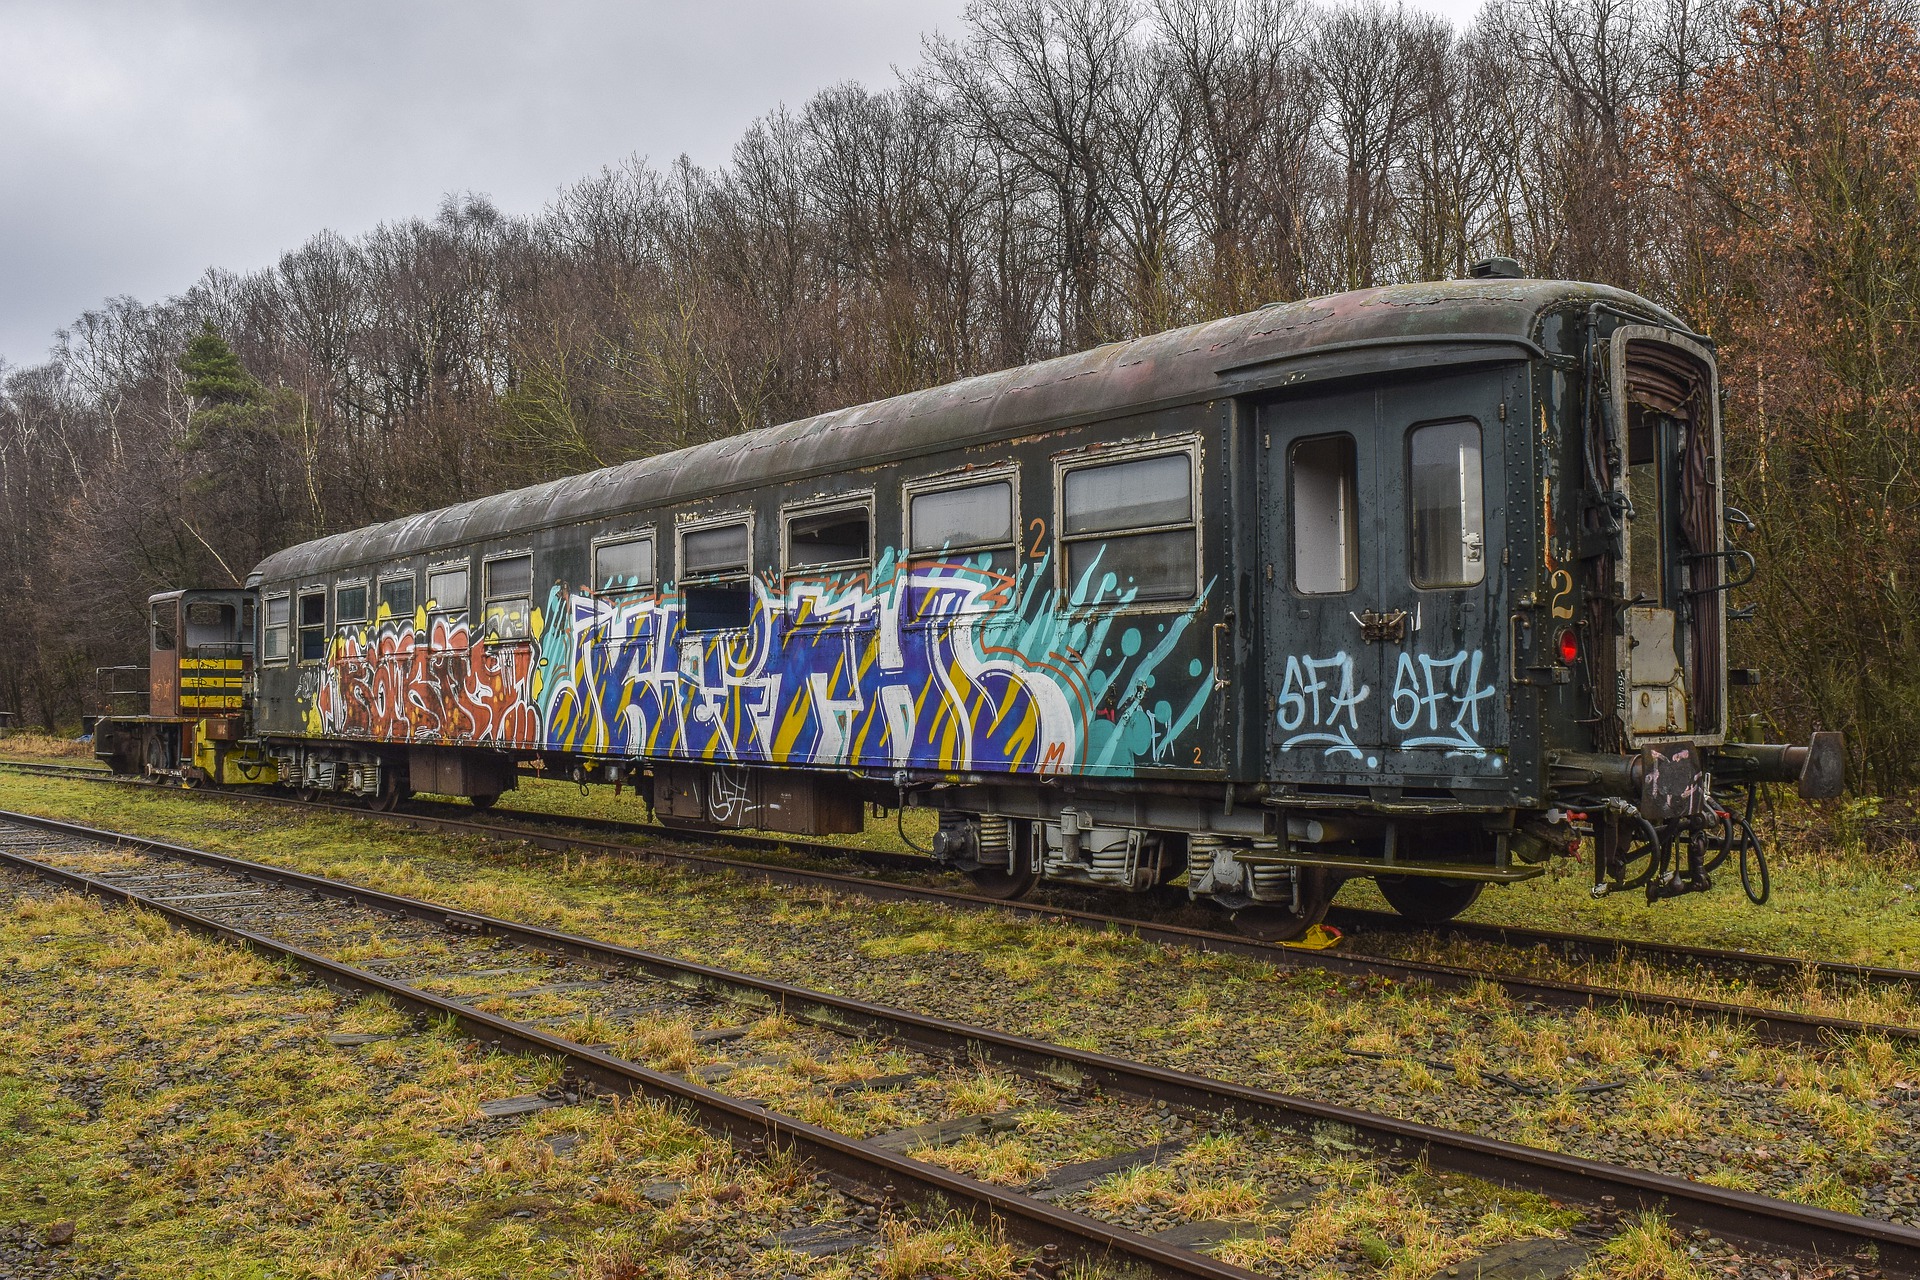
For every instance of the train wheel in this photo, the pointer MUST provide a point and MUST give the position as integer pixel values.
(1428, 899)
(483, 801)
(1276, 922)
(996, 882)
(393, 793)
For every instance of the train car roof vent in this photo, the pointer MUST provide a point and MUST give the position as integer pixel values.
(1496, 269)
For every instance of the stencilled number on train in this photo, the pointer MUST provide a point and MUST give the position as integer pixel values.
(1039, 528)
(1562, 593)
(1440, 687)
(1316, 696)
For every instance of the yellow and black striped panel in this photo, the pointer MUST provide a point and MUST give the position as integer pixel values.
(210, 684)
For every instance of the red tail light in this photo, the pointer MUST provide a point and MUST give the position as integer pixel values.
(1568, 646)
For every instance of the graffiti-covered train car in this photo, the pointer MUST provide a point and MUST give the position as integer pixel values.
(1422, 583)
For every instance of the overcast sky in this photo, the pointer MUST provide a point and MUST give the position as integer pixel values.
(144, 141)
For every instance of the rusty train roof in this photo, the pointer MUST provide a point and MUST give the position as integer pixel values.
(1369, 330)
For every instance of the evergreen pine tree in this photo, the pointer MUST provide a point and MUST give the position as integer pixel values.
(214, 374)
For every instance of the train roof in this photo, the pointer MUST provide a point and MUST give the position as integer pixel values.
(1284, 344)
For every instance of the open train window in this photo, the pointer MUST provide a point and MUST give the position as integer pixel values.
(508, 591)
(716, 581)
(1446, 508)
(396, 598)
(350, 604)
(1127, 530)
(273, 647)
(623, 565)
(1322, 483)
(313, 626)
(825, 544)
(962, 546)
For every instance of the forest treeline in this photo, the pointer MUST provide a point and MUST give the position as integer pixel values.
(1055, 174)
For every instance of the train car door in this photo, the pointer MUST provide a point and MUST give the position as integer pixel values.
(1382, 555)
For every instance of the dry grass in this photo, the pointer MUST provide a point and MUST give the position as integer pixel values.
(177, 1100)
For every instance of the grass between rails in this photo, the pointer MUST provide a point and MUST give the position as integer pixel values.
(175, 1101)
(1701, 1101)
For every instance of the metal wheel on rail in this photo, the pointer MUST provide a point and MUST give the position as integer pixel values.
(393, 793)
(483, 801)
(1016, 879)
(1282, 922)
(1428, 899)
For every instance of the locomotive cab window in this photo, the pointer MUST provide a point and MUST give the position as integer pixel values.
(350, 604)
(1447, 538)
(212, 624)
(166, 618)
(962, 547)
(823, 546)
(715, 565)
(273, 646)
(509, 596)
(396, 598)
(623, 566)
(1322, 482)
(1128, 530)
(313, 626)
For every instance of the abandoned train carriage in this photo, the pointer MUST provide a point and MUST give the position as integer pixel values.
(1420, 582)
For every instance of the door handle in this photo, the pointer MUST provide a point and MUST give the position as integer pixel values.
(1378, 628)
(1219, 632)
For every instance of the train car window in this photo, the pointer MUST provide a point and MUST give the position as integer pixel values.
(396, 597)
(1131, 524)
(274, 649)
(978, 515)
(716, 590)
(509, 596)
(822, 539)
(824, 547)
(313, 626)
(246, 622)
(1646, 531)
(1322, 482)
(350, 604)
(626, 565)
(165, 622)
(961, 543)
(447, 590)
(1446, 505)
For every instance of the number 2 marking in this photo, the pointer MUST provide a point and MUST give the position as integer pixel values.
(1562, 588)
(1196, 755)
(1039, 527)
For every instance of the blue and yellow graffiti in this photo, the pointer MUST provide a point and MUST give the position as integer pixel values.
(946, 664)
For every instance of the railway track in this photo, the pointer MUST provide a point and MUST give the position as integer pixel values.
(273, 910)
(550, 831)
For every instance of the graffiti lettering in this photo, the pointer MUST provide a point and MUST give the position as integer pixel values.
(949, 664)
(1309, 701)
(1440, 688)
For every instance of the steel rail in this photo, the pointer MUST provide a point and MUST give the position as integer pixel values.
(1773, 1025)
(1595, 946)
(748, 1127)
(1753, 1218)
